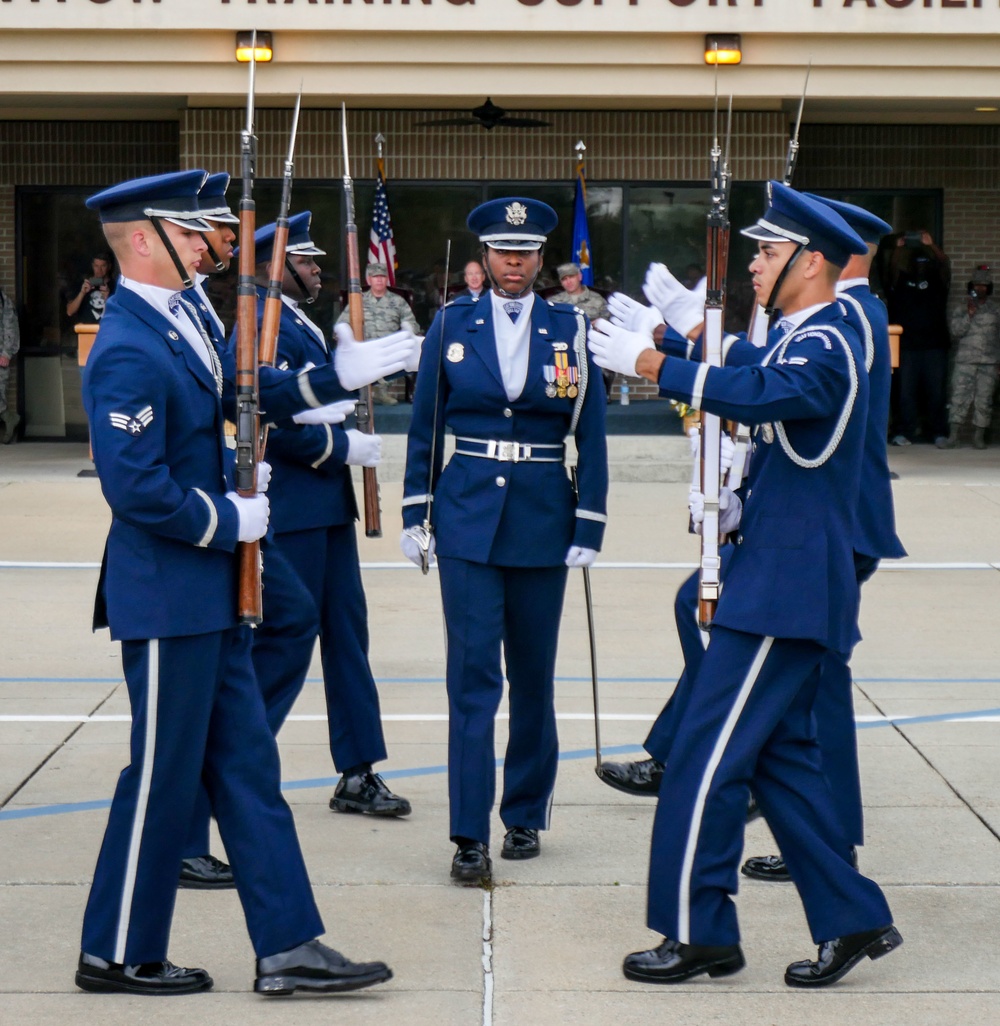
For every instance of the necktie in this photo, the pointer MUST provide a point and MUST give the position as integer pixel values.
(175, 304)
(513, 308)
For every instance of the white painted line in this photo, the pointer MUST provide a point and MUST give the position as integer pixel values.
(488, 958)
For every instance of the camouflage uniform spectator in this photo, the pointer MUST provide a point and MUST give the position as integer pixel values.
(975, 330)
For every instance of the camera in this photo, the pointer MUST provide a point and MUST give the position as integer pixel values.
(913, 239)
(96, 283)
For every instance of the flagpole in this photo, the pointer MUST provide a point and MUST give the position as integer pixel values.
(581, 231)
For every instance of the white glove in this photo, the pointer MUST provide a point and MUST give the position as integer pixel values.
(332, 413)
(730, 510)
(253, 515)
(578, 556)
(363, 450)
(727, 448)
(360, 363)
(263, 476)
(412, 549)
(683, 310)
(617, 349)
(413, 364)
(626, 313)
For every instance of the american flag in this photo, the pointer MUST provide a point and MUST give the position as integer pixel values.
(381, 248)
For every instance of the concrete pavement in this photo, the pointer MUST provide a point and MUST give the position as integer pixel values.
(545, 946)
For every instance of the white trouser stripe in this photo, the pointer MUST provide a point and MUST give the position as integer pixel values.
(142, 799)
(684, 903)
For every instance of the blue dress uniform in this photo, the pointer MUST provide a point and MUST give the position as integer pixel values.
(791, 597)
(313, 511)
(504, 515)
(167, 591)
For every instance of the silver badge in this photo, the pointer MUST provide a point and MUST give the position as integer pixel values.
(560, 347)
(517, 213)
(173, 335)
(767, 433)
(550, 390)
(456, 353)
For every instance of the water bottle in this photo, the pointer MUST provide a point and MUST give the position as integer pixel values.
(624, 393)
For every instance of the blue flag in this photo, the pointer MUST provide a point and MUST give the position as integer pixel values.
(581, 233)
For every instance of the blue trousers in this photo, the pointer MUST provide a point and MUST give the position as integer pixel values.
(748, 724)
(833, 709)
(291, 626)
(197, 717)
(323, 561)
(517, 610)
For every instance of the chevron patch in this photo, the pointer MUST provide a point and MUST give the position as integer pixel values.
(133, 425)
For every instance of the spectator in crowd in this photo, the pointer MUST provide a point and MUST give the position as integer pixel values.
(475, 279)
(917, 298)
(975, 327)
(87, 306)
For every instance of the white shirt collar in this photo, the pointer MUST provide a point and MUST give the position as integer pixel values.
(799, 318)
(850, 283)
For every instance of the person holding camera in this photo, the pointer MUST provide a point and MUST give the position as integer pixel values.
(975, 327)
(87, 306)
(917, 298)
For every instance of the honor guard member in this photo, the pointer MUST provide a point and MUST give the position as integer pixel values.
(509, 374)
(312, 517)
(791, 597)
(875, 540)
(288, 602)
(152, 392)
(386, 312)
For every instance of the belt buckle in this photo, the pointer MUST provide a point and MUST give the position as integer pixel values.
(507, 451)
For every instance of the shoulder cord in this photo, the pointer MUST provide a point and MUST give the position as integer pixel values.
(580, 348)
(845, 415)
(866, 324)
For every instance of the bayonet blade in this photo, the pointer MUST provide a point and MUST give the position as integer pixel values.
(295, 127)
(343, 132)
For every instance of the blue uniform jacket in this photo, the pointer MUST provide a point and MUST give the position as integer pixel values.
(505, 513)
(311, 483)
(792, 572)
(156, 427)
(876, 523)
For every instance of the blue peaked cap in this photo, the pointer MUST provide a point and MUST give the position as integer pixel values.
(869, 226)
(172, 197)
(299, 242)
(213, 202)
(795, 217)
(514, 222)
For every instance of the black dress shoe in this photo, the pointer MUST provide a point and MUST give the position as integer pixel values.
(838, 957)
(314, 966)
(101, 977)
(367, 792)
(766, 867)
(521, 843)
(642, 777)
(673, 962)
(772, 867)
(205, 872)
(471, 866)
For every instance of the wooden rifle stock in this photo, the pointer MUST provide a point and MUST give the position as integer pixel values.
(250, 600)
(356, 315)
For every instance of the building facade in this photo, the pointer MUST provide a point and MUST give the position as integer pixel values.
(900, 114)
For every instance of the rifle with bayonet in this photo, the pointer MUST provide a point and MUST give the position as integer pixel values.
(717, 250)
(356, 314)
(760, 317)
(250, 601)
(271, 320)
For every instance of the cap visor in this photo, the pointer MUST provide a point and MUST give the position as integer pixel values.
(196, 224)
(519, 245)
(755, 231)
(223, 218)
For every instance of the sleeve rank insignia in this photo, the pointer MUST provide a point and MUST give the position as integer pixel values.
(133, 425)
